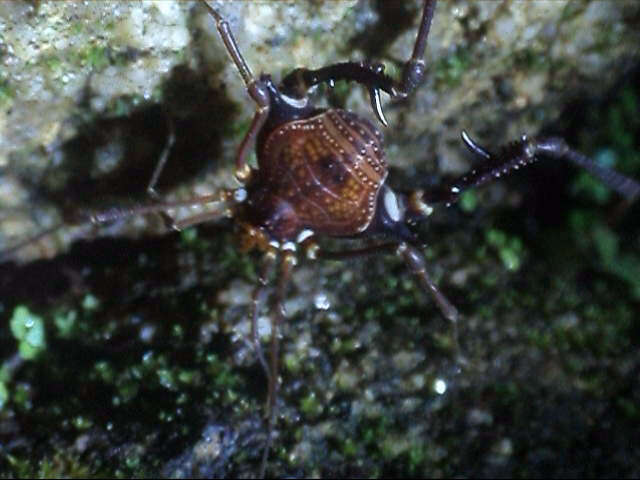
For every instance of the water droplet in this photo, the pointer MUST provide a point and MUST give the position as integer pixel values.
(440, 386)
(321, 301)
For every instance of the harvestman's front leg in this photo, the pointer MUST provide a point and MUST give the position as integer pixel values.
(521, 153)
(255, 88)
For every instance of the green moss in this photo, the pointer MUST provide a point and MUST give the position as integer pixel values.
(90, 303)
(450, 70)
(591, 233)
(82, 423)
(28, 329)
(311, 406)
(292, 363)
(65, 322)
(531, 59)
(626, 267)
(4, 395)
(417, 459)
(125, 105)
(94, 57)
(63, 464)
(53, 62)
(105, 371)
(189, 236)
(349, 448)
(224, 376)
(77, 28)
(166, 379)
(21, 397)
(571, 11)
(236, 129)
(152, 378)
(629, 408)
(510, 249)
(6, 93)
(468, 201)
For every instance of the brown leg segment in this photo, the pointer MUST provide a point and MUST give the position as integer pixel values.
(171, 140)
(417, 265)
(112, 214)
(414, 260)
(256, 89)
(151, 187)
(257, 300)
(287, 262)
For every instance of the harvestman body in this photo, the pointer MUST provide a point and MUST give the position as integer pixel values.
(322, 172)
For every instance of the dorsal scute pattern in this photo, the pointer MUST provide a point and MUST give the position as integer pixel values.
(329, 168)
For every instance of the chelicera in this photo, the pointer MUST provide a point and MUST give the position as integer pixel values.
(323, 172)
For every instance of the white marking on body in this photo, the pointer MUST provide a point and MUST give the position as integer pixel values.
(289, 246)
(295, 102)
(391, 205)
(239, 195)
(303, 235)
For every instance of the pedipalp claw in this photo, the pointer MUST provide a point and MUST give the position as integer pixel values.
(376, 105)
(473, 146)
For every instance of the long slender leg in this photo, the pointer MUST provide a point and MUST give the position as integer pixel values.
(414, 69)
(225, 198)
(417, 265)
(8, 252)
(300, 80)
(287, 262)
(151, 187)
(256, 88)
(257, 299)
(353, 253)
(171, 140)
(415, 261)
(97, 217)
(243, 171)
(521, 153)
(196, 219)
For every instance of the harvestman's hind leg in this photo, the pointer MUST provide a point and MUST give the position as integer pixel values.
(417, 265)
(257, 300)
(287, 262)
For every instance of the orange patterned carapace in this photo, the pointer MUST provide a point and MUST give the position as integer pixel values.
(321, 173)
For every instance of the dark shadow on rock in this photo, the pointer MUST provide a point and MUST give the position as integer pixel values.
(114, 157)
